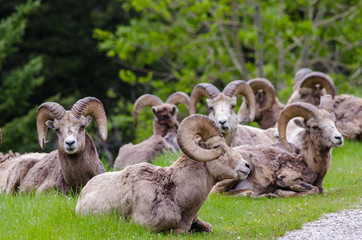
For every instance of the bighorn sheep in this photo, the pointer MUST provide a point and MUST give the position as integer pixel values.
(310, 86)
(222, 104)
(165, 126)
(268, 107)
(168, 199)
(293, 170)
(74, 162)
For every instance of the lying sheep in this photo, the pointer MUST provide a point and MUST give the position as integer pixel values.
(165, 126)
(74, 162)
(268, 107)
(309, 86)
(348, 109)
(291, 170)
(222, 104)
(168, 199)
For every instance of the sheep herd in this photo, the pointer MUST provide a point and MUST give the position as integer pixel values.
(289, 155)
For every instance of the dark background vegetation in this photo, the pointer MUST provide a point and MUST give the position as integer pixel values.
(64, 50)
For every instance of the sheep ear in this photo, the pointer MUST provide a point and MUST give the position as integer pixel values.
(50, 124)
(299, 123)
(88, 119)
(153, 111)
(174, 111)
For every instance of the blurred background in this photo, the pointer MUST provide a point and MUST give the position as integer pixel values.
(64, 50)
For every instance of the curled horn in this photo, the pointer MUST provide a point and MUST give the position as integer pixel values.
(202, 90)
(327, 103)
(47, 111)
(193, 127)
(298, 109)
(263, 84)
(143, 101)
(237, 87)
(179, 97)
(313, 78)
(93, 107)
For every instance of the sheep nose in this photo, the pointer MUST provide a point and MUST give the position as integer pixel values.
(247, 165)
(222, 122)
(70, 142)
(338, 138)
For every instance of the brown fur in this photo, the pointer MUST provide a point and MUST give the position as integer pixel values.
(44, 172)
(145, 151)
(348, 111)
(278, 172)
(162, 199)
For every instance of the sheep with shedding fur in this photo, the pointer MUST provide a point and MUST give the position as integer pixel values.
(168, 199)
(74, 162)
(348, 108)
(165, 126)
(222, 105)
(291, 170)
(348, 111)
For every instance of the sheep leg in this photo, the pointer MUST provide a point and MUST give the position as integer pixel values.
(299, 189)
(200, 226)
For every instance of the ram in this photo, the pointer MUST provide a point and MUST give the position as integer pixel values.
(222, 106)
(267, 107)
(74, 162)
(348, 108)
(293, 169)
(168, 199)
(165, 125)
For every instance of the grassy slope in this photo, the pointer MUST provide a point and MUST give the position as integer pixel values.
(53, 216)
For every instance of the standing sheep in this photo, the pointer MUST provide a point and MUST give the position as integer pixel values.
(168, 199)
(165, 126)
(74, 162)
(291, 170)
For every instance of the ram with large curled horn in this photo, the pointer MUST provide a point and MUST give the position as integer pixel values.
(309, 86)
(298, 164)
(222, 106)
(76, 160)
(168, 199)
(165, 125)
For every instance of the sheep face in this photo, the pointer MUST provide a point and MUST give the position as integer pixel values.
(165, 114)
(323, 131)
(222, 112)
(229, 165)
(70, 132)
(308, 95)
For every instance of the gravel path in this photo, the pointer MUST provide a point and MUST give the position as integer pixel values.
(344, 225)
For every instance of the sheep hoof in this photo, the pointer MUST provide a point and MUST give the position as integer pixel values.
(201, 227)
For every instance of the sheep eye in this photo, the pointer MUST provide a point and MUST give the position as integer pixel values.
(57, 130)
(81, 128)
(315, 127)
(211, 108)
(232, 107)
(216, 146)
(303, 96)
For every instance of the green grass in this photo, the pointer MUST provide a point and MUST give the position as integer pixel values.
(52, 215)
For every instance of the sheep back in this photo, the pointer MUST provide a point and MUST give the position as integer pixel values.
(348, 110)
(141, 192)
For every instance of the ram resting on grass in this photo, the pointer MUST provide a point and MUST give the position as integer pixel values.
(348, 108)
(222, 106)
(267, 107)
(165, 126)
(291, 170)
(74, 162)
(168, 199)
